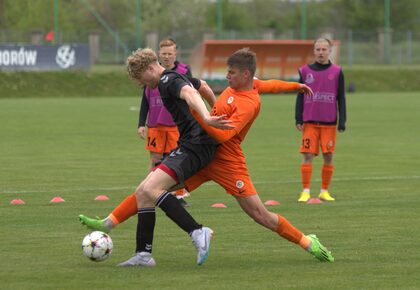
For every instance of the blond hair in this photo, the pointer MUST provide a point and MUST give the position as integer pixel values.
(139, 61)
(323, 39)
(167, 42)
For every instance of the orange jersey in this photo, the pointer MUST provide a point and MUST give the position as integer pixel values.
(242, 108)
(228, 168)
(259, 86)
(275, 86)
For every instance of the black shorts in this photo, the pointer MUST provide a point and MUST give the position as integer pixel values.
(187, 160)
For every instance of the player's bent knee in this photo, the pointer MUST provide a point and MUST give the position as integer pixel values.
(150, 192)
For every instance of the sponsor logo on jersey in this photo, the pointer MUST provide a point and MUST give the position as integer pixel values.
(321, 97)
(164, 79)
(230, 100)
(176, 152)
(309, 79)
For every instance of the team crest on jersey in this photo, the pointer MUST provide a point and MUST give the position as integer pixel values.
(240, 184)
(164, 79)
(230, 100)
(309, 79)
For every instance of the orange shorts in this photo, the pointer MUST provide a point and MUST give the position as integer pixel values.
(162, 139)
(233, 178)
(318, 135)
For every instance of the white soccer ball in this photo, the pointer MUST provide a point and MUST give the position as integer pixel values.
(97, 246)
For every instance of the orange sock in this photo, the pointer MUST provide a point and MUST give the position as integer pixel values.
(305, 242)
(287, 231)
(327, 172)
(126, 209)
(306, 173)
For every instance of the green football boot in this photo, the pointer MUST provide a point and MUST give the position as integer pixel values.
(95, 224)
(319, 251)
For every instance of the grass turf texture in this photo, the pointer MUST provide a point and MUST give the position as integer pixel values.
(79, 148)
(96, 82)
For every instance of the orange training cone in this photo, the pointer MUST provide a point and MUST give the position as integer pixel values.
(57, 199)
(101, 197)
(17, 202)
(219, 205)
(271, 202)
(314, 200)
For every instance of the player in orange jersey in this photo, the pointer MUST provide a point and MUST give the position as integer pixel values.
(240, 103)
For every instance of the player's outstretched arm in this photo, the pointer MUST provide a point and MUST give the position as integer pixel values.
(306, 90)
(217, 134)
(278, 86)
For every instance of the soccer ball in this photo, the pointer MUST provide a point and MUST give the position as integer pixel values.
(97, 246)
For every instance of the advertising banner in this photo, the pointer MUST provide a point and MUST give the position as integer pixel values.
(44, 57)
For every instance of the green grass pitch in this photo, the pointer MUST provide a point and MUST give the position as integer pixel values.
(79, 148)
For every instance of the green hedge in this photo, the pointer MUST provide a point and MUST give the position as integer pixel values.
(117, 83)
(66, 84)
(383, 79)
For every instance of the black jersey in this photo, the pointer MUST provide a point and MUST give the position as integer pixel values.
(170, 86)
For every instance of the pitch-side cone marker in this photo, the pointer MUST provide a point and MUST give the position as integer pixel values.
(314, 200)
(102, 197)
(219, 205)
(57, 199)
(17, 202)
(271, 202)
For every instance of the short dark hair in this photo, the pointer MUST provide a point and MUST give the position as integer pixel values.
(244, 59)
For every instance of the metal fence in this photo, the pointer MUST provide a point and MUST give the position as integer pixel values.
(357, 47)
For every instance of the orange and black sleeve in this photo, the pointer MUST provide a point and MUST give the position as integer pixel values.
(218, 134)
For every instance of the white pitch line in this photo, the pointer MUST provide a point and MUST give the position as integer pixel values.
(131, 188)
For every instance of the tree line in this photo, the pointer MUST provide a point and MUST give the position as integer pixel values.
(171, 15)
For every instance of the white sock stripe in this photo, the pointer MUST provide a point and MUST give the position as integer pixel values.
(146, 210)
(162, 197)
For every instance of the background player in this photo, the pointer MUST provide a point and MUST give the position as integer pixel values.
(316, 116)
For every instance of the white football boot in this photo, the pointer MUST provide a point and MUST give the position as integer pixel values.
(141, 259)
(201, 241)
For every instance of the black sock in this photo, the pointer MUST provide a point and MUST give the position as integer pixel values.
(176, 212)
(145, 227)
